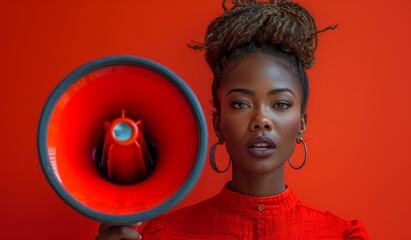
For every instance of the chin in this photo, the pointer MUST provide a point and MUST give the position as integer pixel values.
(259, 166)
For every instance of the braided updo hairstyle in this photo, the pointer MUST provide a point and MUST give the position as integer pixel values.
(278, 27)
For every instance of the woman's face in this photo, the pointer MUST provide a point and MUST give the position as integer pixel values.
(260, 116)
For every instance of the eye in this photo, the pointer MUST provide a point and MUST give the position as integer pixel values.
(240, 105)
(282, 105)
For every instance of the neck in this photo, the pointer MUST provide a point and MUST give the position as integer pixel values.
(258, 185)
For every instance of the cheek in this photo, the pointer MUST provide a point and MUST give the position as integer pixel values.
(287, 129)
(288, 126)
(233, 126)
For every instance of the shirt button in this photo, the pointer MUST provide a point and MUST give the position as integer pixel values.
(260, 207)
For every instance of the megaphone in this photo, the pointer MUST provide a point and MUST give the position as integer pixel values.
(122, 139)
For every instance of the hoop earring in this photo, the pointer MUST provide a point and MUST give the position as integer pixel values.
(212, 159)
(300, 140)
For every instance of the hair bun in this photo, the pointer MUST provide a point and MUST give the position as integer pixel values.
(284, 25)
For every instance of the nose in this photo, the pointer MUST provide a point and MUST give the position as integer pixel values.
(261, 122)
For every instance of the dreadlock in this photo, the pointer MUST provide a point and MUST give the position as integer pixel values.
(278, 27)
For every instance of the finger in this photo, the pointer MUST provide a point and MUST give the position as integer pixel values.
(137, 224)
(104, 226)
(119, 232)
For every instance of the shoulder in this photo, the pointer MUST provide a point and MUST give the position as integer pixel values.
(180, 220)
(352, 229)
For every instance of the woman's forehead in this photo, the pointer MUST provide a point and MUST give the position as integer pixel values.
(260, 71)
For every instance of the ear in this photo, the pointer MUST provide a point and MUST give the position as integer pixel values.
(217, 127)
(303, 125)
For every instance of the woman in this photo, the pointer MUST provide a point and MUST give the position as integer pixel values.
(258, 53)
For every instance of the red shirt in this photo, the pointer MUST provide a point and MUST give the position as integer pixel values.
(231, 215)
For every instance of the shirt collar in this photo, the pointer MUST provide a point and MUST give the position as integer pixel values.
(244, 204)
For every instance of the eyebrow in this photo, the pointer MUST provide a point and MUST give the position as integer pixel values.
(278, 90)
(250, 92)
(242, 90)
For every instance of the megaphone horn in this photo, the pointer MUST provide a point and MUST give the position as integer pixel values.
(122, 139)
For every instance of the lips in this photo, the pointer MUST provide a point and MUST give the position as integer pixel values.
(261, 146)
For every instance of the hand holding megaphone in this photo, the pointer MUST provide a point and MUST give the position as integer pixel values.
(116, 232)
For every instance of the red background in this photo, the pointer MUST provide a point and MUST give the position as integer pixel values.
(358, 114)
